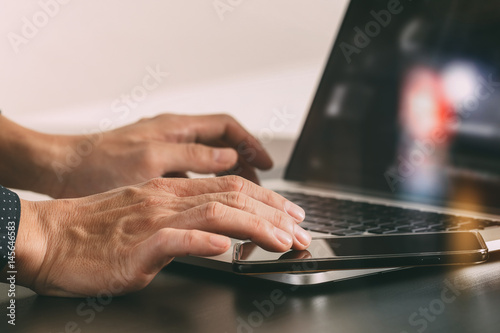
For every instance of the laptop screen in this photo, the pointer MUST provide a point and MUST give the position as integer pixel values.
(409, 104)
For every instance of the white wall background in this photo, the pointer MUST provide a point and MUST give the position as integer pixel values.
(260, 56)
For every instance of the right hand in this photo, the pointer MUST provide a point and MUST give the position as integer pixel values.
(116, 242)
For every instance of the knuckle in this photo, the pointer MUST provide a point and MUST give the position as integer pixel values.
(258, 227)
(151, 201)
(131, 192)
(269, 195)
(237, 199)
(233, 183)
(214, 211)
(188, 239)
(157, 183)
(280, 221)
(193, 151)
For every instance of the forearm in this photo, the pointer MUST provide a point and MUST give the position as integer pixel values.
(26, 157)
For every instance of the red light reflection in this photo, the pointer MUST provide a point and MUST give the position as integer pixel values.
(425, 109)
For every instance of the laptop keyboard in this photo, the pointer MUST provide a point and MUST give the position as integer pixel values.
(346, 217)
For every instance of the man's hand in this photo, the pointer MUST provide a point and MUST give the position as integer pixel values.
(116, 242)
(161, 146)
(65, 166)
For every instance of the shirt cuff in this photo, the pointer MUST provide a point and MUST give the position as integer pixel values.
(10, 213)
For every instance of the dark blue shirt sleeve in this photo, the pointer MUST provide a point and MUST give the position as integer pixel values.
(10, 213)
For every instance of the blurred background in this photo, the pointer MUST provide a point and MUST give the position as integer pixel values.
(67, 65)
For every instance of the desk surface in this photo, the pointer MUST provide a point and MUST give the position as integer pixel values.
(187, 299)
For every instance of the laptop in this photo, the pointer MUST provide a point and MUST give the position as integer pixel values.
(403, 132)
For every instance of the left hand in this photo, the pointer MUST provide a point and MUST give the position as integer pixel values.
(161, 146)
(117, 241)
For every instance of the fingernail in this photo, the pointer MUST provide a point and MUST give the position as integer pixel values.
(302, 236)
(223, 156)
(295, 211)
(220, 241)
(283, 236)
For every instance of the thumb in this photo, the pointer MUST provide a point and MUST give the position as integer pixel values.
(160, 248)
(198, 158)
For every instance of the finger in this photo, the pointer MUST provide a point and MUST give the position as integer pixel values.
(217, 218)
(239, 201)
(247, 171)
(160, 248)
(242, 169)
(225, 128)
(197, 158)
(192, 187)
(248, 204)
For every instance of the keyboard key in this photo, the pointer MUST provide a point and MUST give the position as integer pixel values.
(420, 230)
(420, 224)
(391, 226)
(370, 224)
(379, 230)
(344, 225)
(390, 232)
(359, 228)
(404, 229)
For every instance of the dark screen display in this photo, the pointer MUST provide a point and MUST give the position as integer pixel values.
(369, 245)
(408, 105)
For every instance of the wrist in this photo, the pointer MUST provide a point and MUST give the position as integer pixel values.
(31, 244)
(30, 155)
